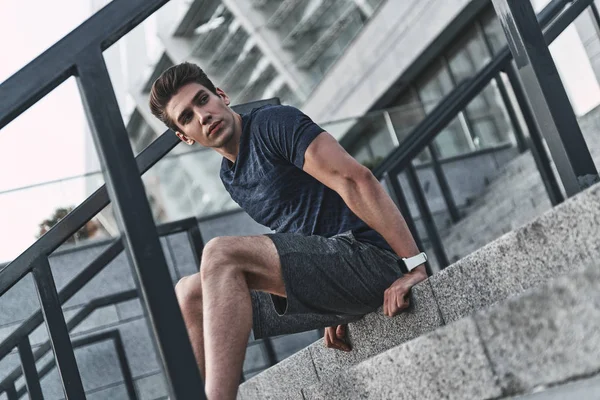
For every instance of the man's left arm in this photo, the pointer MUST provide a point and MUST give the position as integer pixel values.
(329, 163)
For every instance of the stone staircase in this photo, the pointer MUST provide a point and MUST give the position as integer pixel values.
(514, 198)
(451, 344)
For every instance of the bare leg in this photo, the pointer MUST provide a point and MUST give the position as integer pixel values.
(189, 296)
(231, 266)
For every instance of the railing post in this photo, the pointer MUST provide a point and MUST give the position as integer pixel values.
(32, 380)
(137, 228)
(57, 330)
(547, 95)
(125, 370)
(428, 221)
(538, 150)
(444, 185)
(196, 243)
(510, 109)
(11, 392)
(397, 195)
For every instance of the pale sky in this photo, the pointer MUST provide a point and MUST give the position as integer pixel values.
(47, 141)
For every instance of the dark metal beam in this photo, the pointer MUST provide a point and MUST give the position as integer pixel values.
(137, 228)
(32, 380)
(57, 330)
(510, 110)
(65, 294)
(196, 243)
(397, 195)
(538, 149)
(125, 370)
(71, 324)
(11, 392)
(547, 96)
(426, 216)
(113, 335)
(463, 94)
(442, 181)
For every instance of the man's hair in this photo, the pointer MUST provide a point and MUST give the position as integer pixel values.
(169, 83)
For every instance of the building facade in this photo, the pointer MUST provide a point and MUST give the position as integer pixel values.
(367, 70)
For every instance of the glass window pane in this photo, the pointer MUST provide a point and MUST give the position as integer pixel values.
(406, 115)
(433, 86)
(452, 141)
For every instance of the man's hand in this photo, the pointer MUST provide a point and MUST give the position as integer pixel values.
(335, 338)
(396, 298)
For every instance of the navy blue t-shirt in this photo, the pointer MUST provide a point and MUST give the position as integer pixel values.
(268, 182)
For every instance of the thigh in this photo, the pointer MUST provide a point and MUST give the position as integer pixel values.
(334, 276)
(255, 256)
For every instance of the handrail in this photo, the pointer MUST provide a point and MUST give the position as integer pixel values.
(554, 20)
(424, 133)
(80, 54)
(77, 319)
(112, 334)
(88, 273)
(188, 225)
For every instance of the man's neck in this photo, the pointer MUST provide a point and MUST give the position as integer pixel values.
(231, 149)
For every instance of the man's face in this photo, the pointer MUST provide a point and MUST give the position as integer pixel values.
(202, 115)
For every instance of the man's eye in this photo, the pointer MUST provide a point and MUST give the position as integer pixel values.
(185, 119)
(204, 99)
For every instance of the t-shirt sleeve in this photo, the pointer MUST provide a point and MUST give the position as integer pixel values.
(287, 132)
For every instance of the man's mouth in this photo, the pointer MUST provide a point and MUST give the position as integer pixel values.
(214, 127)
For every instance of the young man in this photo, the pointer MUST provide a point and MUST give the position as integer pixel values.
(339, 237)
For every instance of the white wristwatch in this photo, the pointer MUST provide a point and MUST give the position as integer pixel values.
(410, 263)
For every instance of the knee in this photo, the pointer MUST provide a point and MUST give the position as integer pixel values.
(218, 257)
(189, 291)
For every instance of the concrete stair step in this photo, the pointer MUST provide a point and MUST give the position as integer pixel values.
(562, 240)
(546, 336)
(515, 197)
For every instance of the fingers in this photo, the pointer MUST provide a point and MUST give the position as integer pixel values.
(386, 302)
(394, 303)
(335, 338)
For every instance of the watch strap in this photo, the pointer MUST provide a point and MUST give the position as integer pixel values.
(410, 263)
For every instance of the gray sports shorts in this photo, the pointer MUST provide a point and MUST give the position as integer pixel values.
(328, 281)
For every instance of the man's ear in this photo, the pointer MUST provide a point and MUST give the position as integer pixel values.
(223, 95)
(185, 139)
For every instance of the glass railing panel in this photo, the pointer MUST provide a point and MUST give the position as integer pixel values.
(28, 213)
(46, 143)
(186, 185)
(406, 118)
(489, 119)
(368, 139)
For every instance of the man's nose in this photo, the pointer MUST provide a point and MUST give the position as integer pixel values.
(203, 116)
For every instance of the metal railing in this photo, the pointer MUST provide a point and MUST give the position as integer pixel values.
(20, 337)
(554, 19)
(79, 54)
